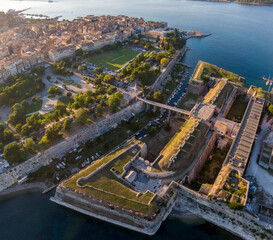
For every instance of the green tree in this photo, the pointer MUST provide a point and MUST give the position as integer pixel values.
(270, 110)
(157, 96)
(99, 109)
(81, 116)
(18, 127)
(54, 90)
(98, 70)
(53, 132)
(44, 142)
(67, 125)
(109, 79)
(14, 153)
(114, 101)
(8, 136)
(30, 145)
(164, 62)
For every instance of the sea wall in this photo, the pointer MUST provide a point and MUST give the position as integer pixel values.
(240, 223)
(11, 176)
(110, 213)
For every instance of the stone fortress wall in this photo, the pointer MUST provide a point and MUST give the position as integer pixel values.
(112, 214)
(240, 223)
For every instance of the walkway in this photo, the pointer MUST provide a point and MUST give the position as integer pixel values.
(164, 106)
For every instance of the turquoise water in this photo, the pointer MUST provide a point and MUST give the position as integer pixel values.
(31, 216)
(241, 42)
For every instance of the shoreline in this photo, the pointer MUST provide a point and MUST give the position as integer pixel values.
(41, 186)
(17, 189)
(243, 3)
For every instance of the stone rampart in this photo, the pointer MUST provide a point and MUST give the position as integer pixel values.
(239, 223)
(110, 213)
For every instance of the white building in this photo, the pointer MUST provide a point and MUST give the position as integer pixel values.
(58, 54)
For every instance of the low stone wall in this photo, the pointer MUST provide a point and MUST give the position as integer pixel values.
(158, 175)
(11, 176)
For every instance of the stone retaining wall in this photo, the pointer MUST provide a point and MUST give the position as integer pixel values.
(239, 223)
(98, 210)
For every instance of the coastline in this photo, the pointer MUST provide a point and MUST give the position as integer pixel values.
(243, 3)
(18, 189)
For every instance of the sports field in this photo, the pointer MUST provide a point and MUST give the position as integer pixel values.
(113, 59)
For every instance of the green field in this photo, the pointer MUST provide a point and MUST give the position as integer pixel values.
(204, 70)
(114, 59)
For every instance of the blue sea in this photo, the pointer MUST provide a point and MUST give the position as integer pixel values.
(241, 42)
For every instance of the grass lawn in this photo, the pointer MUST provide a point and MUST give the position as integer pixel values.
(66, 100)
(105, 185)
(213, 92)
(174, 144)
(34, 107)
(204, 70)
(237, 109)
(114, 59)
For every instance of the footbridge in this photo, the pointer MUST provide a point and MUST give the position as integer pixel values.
(163, 107)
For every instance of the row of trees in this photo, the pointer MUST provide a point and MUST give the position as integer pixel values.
(6, 136)
(60, 68)
(139, 70)
(20, 87)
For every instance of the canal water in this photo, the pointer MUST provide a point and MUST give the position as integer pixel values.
(241, 42)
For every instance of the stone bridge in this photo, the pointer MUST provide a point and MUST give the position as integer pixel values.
(162, 107)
